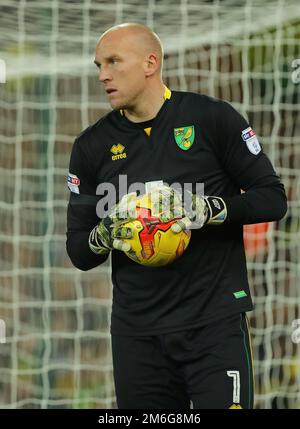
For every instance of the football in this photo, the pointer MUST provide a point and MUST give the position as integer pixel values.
(154, 243)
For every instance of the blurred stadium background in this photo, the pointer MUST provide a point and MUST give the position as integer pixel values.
(57, 351)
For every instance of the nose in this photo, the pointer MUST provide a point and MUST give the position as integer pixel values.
(104, 75)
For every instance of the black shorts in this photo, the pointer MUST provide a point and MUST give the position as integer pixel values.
(202, 368)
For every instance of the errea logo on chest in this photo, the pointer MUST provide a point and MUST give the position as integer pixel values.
(118, 152)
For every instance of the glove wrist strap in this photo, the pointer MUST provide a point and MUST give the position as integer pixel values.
(95, 243)
(216, 210)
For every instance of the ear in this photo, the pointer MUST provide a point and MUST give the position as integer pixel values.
(151, 64)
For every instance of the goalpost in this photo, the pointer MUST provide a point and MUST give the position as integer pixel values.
(56, 351)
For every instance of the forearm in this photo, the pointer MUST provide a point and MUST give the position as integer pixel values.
(80, 253)
(264, 204)
(259, 204)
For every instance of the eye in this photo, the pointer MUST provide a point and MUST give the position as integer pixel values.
(114, 60)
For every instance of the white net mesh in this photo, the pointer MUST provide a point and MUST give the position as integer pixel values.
(57, 350)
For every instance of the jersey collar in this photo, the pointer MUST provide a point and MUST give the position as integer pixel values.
(167, 96)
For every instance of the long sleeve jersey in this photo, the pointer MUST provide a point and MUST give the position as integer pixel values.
(209, 281)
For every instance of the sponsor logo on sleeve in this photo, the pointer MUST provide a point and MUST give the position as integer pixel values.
(73, 183)
(249, 136)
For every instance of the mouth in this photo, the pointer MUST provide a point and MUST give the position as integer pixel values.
(110, 91)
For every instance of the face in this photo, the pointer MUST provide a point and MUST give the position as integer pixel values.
(122, 69)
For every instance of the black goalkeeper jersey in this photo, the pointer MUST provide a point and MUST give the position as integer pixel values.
(209, 281)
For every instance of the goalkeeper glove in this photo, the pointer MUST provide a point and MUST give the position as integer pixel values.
(108, 234)
(202, 210)
(166, 203)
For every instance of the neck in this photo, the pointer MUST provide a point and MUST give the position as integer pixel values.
(148, 105)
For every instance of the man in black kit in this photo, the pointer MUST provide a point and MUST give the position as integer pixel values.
(179, 333)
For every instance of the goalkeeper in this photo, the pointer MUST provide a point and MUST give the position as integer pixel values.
(180, 336)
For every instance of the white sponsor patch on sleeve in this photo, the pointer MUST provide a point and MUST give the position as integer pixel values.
(249, 136)
(73, 183)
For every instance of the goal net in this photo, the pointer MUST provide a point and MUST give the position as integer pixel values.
(54, 320)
